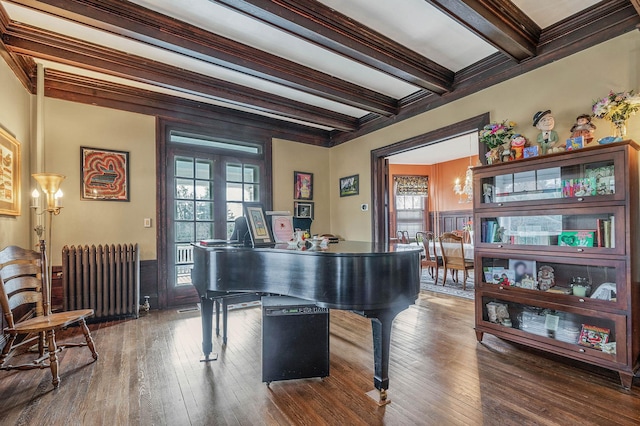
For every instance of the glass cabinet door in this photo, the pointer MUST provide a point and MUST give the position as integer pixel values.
(586, 178)
(592, 283)
(596, 230)
(581, 332)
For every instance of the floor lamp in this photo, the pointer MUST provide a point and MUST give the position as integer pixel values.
(50, 185)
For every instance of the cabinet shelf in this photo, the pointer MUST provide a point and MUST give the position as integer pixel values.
(556, 254)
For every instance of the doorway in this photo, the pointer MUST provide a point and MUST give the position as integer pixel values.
(380, 168)
(206, 183)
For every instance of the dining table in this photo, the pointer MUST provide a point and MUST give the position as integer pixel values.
(468, 249)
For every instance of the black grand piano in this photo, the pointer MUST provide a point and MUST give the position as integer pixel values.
(372, 280)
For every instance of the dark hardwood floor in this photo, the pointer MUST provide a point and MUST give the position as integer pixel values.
(149, 373)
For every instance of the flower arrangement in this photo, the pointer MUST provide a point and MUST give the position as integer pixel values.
(468, 227)
(617, 107)
(496, 134)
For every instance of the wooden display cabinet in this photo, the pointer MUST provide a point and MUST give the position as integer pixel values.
(556, 254)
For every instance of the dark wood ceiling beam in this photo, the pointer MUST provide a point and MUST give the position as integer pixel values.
(24, 68)
(588, 28)
(68, 87)
(134, 22)
(323, 26)
(28, 40)
(498, 22)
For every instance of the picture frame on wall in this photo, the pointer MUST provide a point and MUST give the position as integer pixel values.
(349, 185)
(104, 174)
(258, 226)
(302, 186)
(303, 210)
(10, 174)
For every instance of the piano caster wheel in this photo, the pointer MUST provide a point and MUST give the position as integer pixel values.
(379, 396)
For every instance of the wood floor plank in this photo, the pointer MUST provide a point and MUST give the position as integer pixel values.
(149, 374)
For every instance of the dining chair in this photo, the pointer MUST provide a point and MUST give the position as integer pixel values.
(452, 249)
(403, 237)
(27, 312)
(430, 259)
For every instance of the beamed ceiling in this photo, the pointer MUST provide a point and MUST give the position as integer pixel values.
(319, 72)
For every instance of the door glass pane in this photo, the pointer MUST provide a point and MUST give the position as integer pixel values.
(185, 232)
(204, 210)
(184, 167)
(234, 192)
(203, 169)
(184, 188)
(234, 173)
(234, 210)
(204, 231)
(251, 193)
(204, 190)
(184, 210)
(251, 174)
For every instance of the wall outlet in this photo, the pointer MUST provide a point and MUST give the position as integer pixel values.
(147, 222)
(364, 207)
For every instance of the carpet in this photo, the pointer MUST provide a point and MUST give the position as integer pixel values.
(451, 288)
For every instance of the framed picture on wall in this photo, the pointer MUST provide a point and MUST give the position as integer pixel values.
(10, 174)
(104, 174)
(302, 186)
(303, 210)
(350, 185)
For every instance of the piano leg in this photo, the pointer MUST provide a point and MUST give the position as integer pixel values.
(206, 315)
(381, 322)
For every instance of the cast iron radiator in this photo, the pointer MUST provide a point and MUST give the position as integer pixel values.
(104, 278)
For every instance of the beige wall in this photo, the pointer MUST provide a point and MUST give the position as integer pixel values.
(15, 118)
(289, 157)
(68, 126)
(567, 87)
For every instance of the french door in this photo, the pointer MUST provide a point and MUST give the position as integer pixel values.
(206, 192)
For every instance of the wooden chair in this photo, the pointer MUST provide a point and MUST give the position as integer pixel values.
(24, 300)
(452, 249)
(430, 259)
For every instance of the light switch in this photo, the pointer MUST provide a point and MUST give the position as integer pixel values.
(147, 222)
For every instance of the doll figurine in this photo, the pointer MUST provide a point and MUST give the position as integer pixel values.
(584, 128)
(517, 146)
(548, 138)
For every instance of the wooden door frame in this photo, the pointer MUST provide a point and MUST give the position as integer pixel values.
(379, 167)
(223, 130)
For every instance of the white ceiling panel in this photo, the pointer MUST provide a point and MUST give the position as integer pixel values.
(225, 22)
(420, 27)
(548, 12)
(129, 46)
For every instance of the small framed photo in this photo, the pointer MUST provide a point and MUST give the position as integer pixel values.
(523, 269)
(9, 174)
(530, 151)
(302, 186)
(575, 143)
(303, 209)
(104, 174)
(258, 227)
(350, 185)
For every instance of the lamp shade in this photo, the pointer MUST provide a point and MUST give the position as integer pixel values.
(50, 184)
